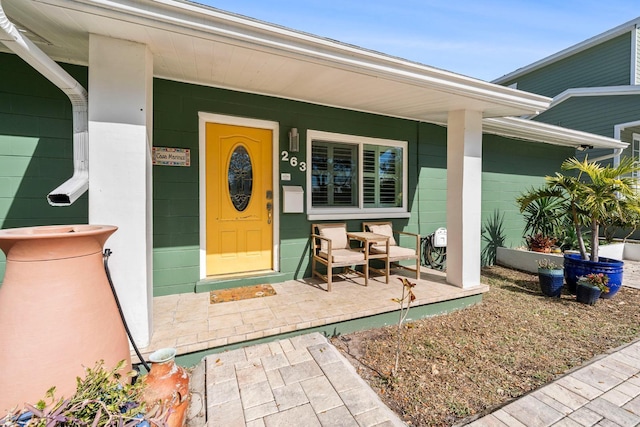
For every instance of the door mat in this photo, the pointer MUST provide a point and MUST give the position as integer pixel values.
(246, 292)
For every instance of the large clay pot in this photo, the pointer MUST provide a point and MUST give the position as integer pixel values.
(167, 385)
(57, 311)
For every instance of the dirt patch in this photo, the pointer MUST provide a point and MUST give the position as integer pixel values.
(471, 361)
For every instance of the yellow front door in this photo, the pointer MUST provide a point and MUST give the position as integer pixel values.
(239, 199)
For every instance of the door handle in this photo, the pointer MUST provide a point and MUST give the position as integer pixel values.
(270, 212)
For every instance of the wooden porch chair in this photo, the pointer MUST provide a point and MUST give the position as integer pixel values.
(396, 253)
(332, 248)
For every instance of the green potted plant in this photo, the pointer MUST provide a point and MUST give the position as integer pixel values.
(595, 196)
(551, 277)
(591, 287)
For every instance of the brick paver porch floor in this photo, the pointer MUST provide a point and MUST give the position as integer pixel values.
(190, 323)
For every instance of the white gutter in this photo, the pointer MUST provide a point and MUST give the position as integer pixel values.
(518, 128)
(78, 184)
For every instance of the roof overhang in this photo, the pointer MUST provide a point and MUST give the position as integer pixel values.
(530, 130)
(206, 46)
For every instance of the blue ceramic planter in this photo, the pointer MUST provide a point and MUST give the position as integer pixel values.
(575, 266)
(551, 281)
(587, 294)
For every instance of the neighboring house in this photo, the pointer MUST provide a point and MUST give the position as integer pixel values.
(594, 85)
(379, 138)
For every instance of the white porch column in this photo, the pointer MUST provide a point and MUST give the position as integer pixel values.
(464, 197)
(120, 135)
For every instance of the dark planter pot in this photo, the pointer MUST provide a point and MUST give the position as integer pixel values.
(575, 266)
(587, 294)
(551, 281)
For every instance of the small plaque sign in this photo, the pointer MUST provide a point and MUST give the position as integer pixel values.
(167, 156)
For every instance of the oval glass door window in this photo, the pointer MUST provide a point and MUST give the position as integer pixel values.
(240, 175)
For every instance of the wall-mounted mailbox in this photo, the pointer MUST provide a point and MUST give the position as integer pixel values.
(292, 199)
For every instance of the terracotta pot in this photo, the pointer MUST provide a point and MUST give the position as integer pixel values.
(57, 312)
(167, 385)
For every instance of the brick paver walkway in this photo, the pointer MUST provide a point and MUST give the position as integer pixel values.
(301, 381)
(606, 392)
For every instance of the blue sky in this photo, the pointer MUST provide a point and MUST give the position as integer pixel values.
(483, 38)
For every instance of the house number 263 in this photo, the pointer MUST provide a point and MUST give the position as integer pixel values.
(293, 161)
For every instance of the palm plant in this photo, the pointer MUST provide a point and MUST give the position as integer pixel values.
(596, 196)
(544, 216)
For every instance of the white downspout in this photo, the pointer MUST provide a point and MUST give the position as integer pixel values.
(69, 191)
(615, 156)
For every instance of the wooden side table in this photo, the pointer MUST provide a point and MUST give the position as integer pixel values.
(367, 238)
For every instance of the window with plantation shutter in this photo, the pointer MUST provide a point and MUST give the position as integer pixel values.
(334, 170)
(352, 176)
(382, 176)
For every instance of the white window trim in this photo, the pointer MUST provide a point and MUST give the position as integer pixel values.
(360, 211)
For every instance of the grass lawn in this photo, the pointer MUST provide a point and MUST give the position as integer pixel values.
(471, 361)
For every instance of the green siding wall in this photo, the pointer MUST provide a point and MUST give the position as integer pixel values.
(607, 64)
(35, 147)
(595, 114)
(509, 168)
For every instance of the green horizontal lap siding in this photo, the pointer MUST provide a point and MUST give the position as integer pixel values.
(431, 197)
(36, 149)
(606, 64)
(595, 114)
(509, 168)
(175, 269)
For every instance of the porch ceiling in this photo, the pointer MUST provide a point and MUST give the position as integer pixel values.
(198, 44)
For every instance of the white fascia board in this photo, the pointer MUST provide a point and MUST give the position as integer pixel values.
(529, 130)
(189, 17)
(586, 44)
(595, 91)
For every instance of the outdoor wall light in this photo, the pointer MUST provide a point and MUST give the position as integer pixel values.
(294, 140)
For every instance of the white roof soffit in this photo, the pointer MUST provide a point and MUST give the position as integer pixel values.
(572, 50)
(530, 130)
(203, 45)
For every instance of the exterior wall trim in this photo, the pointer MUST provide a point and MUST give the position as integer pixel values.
(633, 75)
(595, 91)
(203, 118)
(622, 126)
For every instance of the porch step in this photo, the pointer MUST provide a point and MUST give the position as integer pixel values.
(229, 282)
